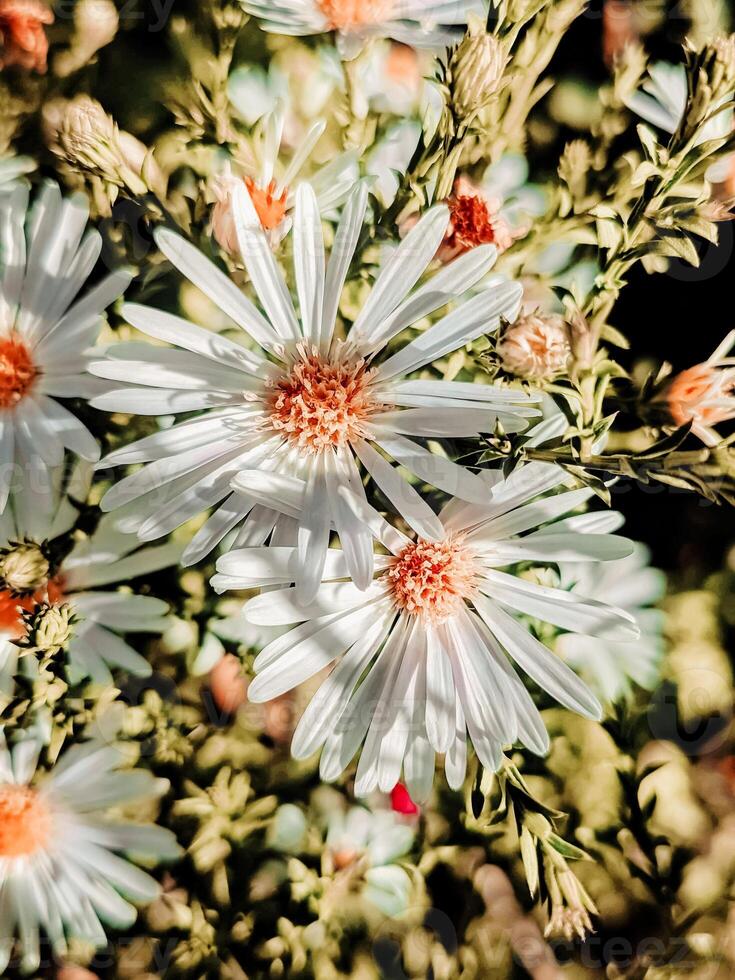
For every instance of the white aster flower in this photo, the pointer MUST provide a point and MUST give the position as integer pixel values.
(663, 98)
(391, 78)
(370, 842)
(35, 518)
(272, 190)
(423, 655)
(45, 258)
(421, 23)
(608, 665)
(61, 873)
(284, 436)
(303, 79)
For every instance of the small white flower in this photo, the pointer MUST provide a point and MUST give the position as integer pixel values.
(44, 335)
(278, 445)
(61, 873)
(304, 79)
(630, 583)
(372, 841)
(391, 78)
(423, 655)
(273, 191)
(108, 557)
(420, 23)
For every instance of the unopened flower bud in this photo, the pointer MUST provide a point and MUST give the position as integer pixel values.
(87, 137)
(96, 23)
(704, 395)
(49, 628)
(23, 568)
(476, 67)
(536, 347)
(223, 220)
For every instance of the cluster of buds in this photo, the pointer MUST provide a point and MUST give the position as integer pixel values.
(24, 567)
(711, 73)
(545, 855)
(226, 816)
(48, 629)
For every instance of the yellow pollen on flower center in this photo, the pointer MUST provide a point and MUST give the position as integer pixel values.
(322, 403)
(25, 822)
(17, 370)
(433, 578)
(346, 15)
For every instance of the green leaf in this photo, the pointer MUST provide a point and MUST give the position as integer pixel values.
(566, 849)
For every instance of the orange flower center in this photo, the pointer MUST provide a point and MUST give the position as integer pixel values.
(699, 393)
(25, 822)
(322, 403)
(470, 222)
(347, 15)
(270, 209)
(432, 578)
(17, 370)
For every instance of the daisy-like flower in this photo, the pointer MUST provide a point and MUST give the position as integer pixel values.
(273, 194)
(368, 845)
(45, 258)
(423, 655)
(304, 79)
(61, 870)
(286, 434)
(31, 529)
(391, 78)
(704, 394)
(420, 23)
(630, 583)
